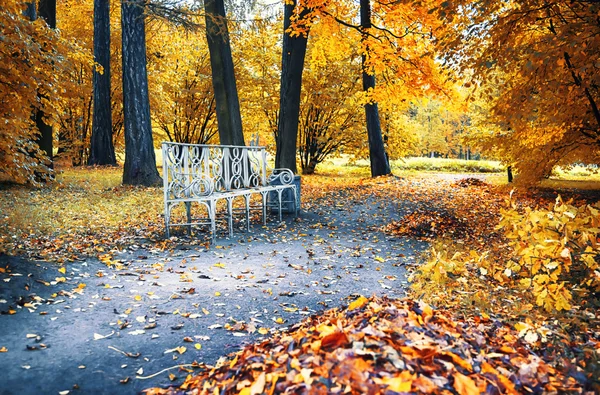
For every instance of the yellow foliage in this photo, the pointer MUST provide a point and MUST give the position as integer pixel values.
(550, 243)
(553, 251)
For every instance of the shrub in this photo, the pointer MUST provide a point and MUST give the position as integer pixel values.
(555, 251)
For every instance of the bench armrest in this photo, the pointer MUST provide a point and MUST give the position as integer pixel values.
(284, 176)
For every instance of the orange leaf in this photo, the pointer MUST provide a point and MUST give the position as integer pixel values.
(464, 385)
(459, 361)
(334, 340)
(510, 387)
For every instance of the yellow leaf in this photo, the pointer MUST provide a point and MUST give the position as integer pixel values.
(60, 279)
(197, 346)
(521, 326)
(379, 259)
(233, 362)
(3, 349)
(63, 270)
(279, 320)
(81, 286)
(358, 303)
(172, 377)
(217, 293)
(525, 282)
(464, 385)
(263, 331)
(401, 383)
(137, 297)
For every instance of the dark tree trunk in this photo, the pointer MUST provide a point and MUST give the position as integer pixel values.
(223, 77)
(380, 165)
(140, 161)
(509, 173)
(102, 151)
(31, 11)
(292, 65)
(47, 11)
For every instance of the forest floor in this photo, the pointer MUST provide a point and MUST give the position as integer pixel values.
(121, 311)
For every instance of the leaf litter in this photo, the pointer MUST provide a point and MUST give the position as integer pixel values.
(465, 211)
(380, 345)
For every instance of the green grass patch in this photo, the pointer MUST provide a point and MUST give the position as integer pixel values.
(345, 165)
(448, 165)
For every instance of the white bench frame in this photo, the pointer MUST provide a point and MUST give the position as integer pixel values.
(205, 174)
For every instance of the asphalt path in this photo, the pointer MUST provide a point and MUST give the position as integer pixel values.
(100, 329)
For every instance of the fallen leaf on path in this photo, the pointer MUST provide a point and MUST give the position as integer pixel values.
(98, 336)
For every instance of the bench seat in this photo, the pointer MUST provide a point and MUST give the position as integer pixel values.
(206, 174)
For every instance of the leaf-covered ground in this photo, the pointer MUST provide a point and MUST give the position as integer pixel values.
(477, 336)
(379, 345)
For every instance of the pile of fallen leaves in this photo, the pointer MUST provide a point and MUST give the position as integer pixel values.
(427, 224)
(379, 345)
(470, 182)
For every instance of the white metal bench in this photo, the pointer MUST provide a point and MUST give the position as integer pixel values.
(205, 174)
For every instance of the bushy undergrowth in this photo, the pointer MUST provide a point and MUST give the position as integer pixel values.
(552, 254)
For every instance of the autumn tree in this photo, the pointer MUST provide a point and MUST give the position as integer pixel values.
(536, 64)
(181, 85)
(330, 109)
(46, 11)
(140, 161)
(397, 46)
(74, 116)
(379, 161)
(31, 62)
(223, 75)
(102, 151)
(259, 54)
(292, 63)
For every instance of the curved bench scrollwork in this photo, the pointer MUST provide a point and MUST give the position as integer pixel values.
(198, 187)
(285, 176)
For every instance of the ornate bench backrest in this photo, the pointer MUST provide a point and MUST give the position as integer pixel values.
(192, 170)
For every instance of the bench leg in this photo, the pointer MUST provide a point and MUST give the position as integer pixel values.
(296, 203)
(188, 211)
(280, 193)
(247, 201)
(264, 207)
(167, 220)
(212, 214)
(230, 215)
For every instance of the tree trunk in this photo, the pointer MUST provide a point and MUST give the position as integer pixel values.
(292, 65)
(223, 77)
(47, 11)
(310, 167)
(140, 161)
(102, 151)
(380, 165)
